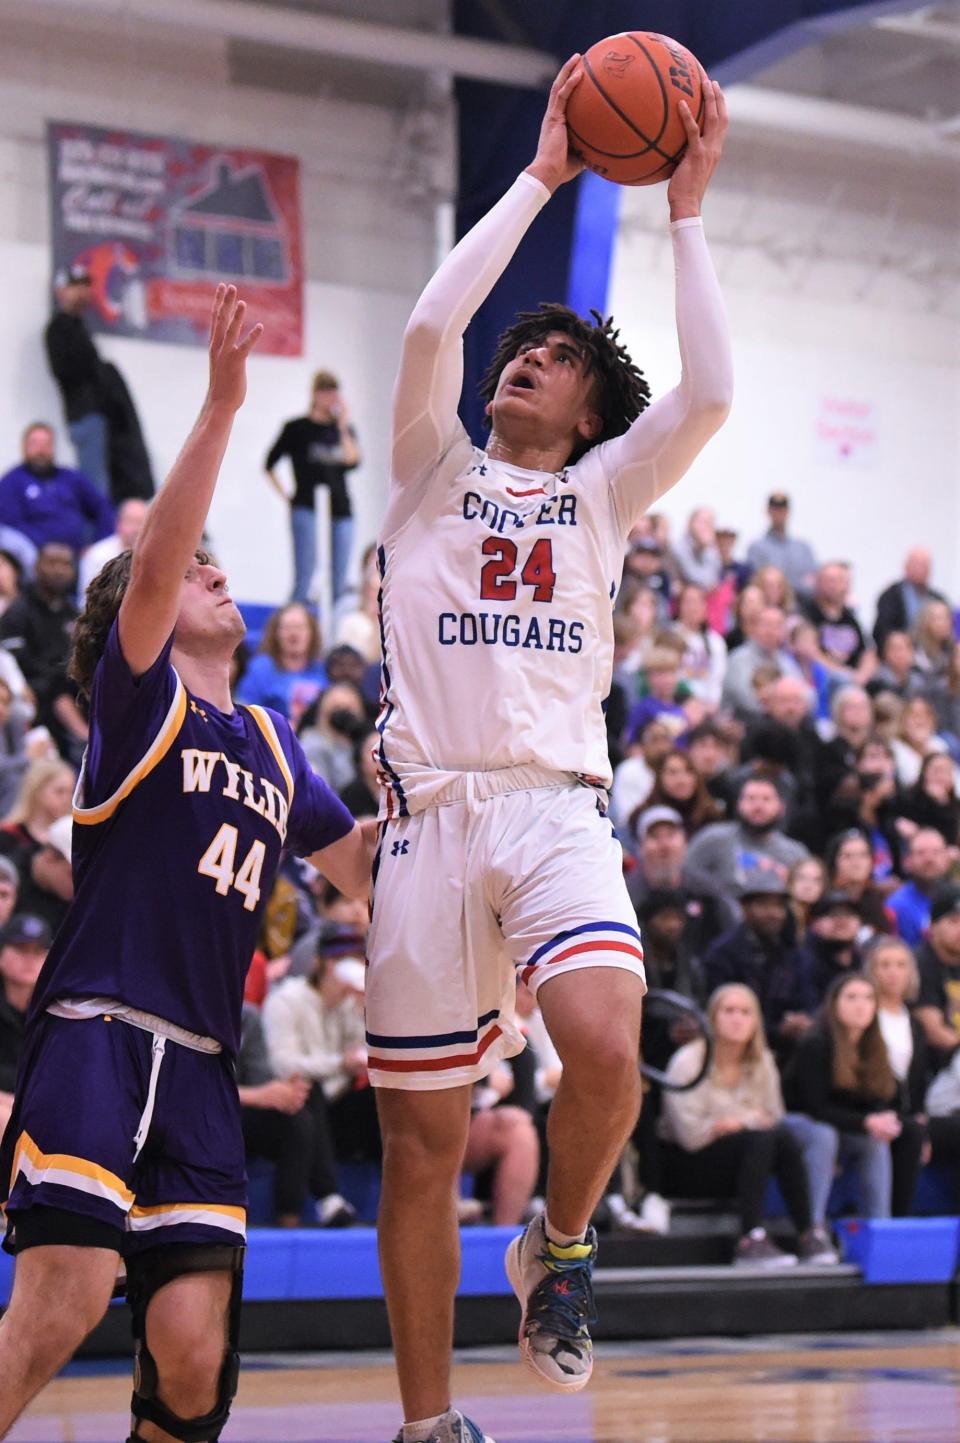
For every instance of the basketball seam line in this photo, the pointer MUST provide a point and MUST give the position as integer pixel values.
(651, 142)
(651, 145)
(630, 154)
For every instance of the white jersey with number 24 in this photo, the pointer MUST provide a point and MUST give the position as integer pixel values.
(498, 583)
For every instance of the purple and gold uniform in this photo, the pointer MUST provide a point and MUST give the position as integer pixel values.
(126, 1109)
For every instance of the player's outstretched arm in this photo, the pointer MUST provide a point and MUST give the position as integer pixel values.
(176, 519)
(348, 862)
(428, 384)
(665, 439)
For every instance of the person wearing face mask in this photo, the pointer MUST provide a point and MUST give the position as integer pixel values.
(831, 948)
(329, 731)
(47, 502)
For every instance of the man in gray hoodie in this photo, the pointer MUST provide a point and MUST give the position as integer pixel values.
(730, 852)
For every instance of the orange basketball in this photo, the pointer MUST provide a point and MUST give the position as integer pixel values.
(623, 117)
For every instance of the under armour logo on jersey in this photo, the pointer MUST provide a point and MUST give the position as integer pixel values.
(400, 849)
(198, 710)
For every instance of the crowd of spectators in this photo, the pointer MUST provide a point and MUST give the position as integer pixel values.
(786, 793)
(786, 797)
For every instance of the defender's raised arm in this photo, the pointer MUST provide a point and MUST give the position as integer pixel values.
(175, 522)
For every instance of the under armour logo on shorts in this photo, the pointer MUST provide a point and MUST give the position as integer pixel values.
(400, 849)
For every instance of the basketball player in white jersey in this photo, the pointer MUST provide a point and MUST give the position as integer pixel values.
(499, 569)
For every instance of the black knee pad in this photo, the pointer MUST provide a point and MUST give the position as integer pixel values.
(146, 1274)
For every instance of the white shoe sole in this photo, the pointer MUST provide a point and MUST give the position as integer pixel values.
(527, 1355)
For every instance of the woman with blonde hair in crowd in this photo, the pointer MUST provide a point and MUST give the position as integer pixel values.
(727, 1136)
(287, 673)
(32, 840)
(45, 794)
(916, 739)
(887, 711)
(933, 642)
(892, 968)
(704, 660)
(840, 1074)
(776, 589)
(806, 883)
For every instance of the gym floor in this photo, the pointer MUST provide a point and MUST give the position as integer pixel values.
(843, 1388)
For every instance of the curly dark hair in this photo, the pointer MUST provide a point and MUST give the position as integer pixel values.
(621, 391)
(100, 610)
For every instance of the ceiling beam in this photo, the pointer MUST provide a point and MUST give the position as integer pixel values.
(918, 27)
(510, 65)
(833, 125)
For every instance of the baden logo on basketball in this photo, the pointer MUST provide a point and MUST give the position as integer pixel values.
(615, 62)
(680, 76)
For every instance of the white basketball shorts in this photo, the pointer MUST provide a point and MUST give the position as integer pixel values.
(471, 896)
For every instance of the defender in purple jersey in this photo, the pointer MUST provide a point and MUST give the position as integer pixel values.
(125, 1138)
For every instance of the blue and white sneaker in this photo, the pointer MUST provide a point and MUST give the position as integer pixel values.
(555, 1291)
(454, 1428)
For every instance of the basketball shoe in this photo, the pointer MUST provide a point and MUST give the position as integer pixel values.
(555, 1292)
(454, 1428)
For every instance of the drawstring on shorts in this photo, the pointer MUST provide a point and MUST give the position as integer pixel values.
(140, 1136)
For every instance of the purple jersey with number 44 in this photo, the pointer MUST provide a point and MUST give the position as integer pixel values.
(180, 817)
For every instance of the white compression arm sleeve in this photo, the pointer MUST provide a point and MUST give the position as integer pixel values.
(428, 385)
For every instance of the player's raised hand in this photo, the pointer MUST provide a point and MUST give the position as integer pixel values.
(702, 156)
(555, 161)
(229, 348)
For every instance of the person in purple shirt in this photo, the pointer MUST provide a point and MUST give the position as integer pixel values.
(125, 1138)
(47, 502)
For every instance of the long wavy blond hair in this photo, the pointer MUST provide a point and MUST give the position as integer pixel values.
(35, 778)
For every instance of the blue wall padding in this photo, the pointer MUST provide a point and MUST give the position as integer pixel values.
(901, 1250)
(303, 1263)
(312, 1263)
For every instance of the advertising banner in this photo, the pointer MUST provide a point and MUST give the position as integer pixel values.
(158, 222)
